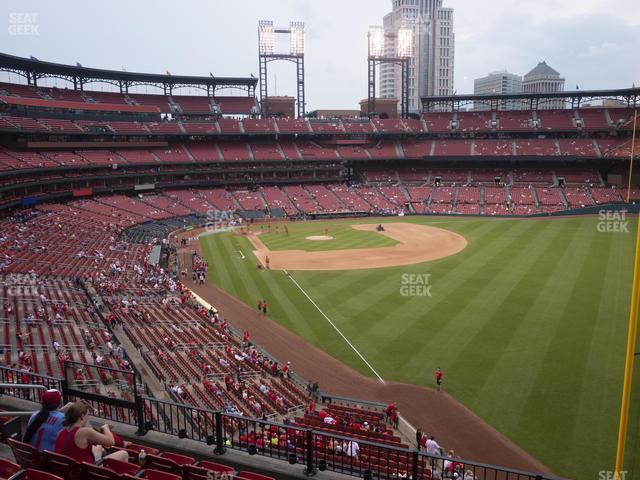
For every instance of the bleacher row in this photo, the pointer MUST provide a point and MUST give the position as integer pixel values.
(154, 465)
(490, 192)
(309, 151)
(68, 98)
(435, 124)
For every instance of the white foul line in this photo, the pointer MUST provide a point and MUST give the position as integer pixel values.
(334, 326)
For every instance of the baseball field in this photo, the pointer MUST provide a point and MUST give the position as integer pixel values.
(526, 317)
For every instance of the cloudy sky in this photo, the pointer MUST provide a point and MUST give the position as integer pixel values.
(593, 43)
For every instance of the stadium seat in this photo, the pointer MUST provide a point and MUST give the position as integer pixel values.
(121, 467)
(33, 474)
(25, 454)
(165, 464)
(151, 474)
(179, 459)
(216, 467)
(97, 472)
(7, 468)
(62, 465)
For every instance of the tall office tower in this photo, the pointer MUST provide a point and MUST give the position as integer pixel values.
(431, 65)
(498, 83)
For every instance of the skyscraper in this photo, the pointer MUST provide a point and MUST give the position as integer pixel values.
(498, 83)
(431, 65)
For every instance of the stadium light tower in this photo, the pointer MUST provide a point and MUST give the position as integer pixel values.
(376, 40)
(266, 54)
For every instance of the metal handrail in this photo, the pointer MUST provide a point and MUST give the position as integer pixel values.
(23, 385)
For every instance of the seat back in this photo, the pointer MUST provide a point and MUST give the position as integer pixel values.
(25, 454)
(191, 472)
(120, 467)
(216, 467)
(8, 468)
(148, 450)
(155, 462)
(151, 474)
(33, 474)
(61, 465)
(179, 459)
(96, 472)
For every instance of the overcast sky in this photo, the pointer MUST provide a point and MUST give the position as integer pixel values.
(592, 43)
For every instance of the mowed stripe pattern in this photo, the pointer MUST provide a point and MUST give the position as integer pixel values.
(344, 237)
(528, 323)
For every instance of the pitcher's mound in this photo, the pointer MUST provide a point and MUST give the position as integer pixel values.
(320, 237)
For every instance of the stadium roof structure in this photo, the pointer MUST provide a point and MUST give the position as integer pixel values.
(628, 96)
(33, 69)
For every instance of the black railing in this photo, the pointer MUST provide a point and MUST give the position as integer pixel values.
(316, 450)
(11, 375)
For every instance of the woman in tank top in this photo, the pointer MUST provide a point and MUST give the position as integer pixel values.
(83, 443)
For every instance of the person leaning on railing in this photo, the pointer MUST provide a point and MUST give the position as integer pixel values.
(83, 443)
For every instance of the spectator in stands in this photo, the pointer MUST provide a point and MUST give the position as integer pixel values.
(83, 443)
(329, 420)
(419, 435)
(352, 449)
(45, 424)
(432, 446)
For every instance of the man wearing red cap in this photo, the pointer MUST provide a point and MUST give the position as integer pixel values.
(44, 425)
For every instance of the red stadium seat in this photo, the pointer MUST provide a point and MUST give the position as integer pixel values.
(96, 472)
(120, 467)
(62, 465)
(157, 462)
(151, 474)
(25, 454)
(216, 467)
(179, 459)
(33, 474)
(8, 468)
(192, 472)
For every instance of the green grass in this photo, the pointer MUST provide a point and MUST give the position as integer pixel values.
(344, 237)
(528, 322)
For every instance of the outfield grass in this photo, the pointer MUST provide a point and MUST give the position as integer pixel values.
(344, 237)
(528, 323)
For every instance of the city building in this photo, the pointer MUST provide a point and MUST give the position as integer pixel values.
(431, 63)
(498, 83)
(544, 79)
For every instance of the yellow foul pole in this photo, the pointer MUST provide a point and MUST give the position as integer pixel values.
(633, 144)
(631, 343)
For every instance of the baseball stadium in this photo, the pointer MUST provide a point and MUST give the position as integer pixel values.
(224, 285)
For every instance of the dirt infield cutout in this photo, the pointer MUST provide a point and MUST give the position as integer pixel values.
(417, 244)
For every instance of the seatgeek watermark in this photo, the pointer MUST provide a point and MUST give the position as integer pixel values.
(415, 285)
(611, 475)
(612, 221)
(21, 286)
(211, 475)
(24, 23)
